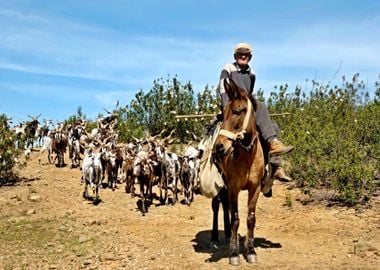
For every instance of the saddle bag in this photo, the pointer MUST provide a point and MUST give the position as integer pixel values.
(210, 179)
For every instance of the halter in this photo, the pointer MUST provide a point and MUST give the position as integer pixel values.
(237, 137)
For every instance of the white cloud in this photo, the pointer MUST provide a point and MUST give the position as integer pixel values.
(10, 14)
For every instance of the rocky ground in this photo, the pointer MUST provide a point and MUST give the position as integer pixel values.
(46, 224)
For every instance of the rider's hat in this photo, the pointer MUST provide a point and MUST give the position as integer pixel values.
(243, 48)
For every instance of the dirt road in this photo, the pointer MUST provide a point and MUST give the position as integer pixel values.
(46, 224)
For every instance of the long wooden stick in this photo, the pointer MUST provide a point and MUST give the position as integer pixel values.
(279, 114)
(213, 114)
(195, 115)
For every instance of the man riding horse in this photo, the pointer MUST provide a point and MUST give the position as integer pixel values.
(241, 73)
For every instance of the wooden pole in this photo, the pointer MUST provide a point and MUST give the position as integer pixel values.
(213, 115)
(195, 115)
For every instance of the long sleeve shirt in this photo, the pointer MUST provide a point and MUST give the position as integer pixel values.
(244, 78)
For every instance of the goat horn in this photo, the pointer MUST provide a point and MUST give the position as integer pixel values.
(137, 140)
(107, 110)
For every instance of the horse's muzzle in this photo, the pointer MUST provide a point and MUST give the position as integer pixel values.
(219, 150)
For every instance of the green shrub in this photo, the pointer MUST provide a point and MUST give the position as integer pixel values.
(8, 152)
(335, 131)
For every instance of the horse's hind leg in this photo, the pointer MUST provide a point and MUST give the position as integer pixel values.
(249, 245)
(215, 210)
(223, 195)
(235, 221)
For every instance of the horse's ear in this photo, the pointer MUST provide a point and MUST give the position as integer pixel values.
(232, 89)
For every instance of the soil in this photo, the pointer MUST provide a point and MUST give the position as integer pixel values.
(46, 224)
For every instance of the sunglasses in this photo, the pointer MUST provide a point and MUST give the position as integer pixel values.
(243, 54)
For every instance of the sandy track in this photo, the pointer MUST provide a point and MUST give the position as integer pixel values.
(46, 224)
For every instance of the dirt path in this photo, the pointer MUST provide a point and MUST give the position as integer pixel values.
(45, 224)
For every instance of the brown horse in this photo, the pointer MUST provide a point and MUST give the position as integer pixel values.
(239, 155)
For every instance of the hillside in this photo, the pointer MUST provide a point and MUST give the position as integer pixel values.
(46, 224)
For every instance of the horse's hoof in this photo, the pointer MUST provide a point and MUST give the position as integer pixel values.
(235, 260)
(251, 258)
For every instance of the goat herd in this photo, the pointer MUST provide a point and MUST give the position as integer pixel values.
(144, 162)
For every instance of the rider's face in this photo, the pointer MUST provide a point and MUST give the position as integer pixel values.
(243, 58)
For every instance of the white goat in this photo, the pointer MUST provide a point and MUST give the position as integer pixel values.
(170, 168)
(46, 146)
(92, 172)
(193, 154)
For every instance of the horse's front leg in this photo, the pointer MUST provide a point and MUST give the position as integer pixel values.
(249, 245)
(234, 242)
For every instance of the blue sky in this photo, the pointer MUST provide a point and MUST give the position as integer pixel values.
(58, 55)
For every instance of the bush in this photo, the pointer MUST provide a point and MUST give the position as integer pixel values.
(8, 152)
(335, 132)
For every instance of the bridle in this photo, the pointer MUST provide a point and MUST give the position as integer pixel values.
(239, 136)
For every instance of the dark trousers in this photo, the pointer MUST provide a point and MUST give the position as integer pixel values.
(268, 130)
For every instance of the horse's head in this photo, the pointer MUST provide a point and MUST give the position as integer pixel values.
(239, 123)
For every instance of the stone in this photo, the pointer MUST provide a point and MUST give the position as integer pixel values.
(35, 198)
(30, 212)
(83, 238)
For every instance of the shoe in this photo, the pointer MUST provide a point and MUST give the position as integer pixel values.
(281, 175)
(276, 148)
